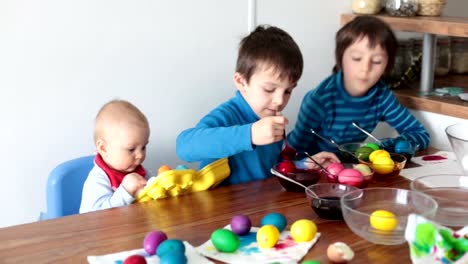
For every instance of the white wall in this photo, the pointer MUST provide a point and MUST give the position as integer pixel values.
(60, 60)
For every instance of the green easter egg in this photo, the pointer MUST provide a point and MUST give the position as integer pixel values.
(310, 262)
(363, 153)
(425, 235)
(225, 240)
(373, 146)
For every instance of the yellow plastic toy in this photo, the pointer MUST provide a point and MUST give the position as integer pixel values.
(171, 183)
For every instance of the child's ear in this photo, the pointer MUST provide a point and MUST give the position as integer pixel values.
(240, 82)
(101, 147)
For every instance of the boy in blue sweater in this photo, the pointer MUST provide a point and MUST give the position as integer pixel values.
(365, 50)
(248, 128)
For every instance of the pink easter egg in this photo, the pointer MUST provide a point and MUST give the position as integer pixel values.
(351, 177)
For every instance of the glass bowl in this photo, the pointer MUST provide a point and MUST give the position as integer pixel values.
(366, 174)
(451, 193)
(344, 156)
(400, 146)
(359, 212)
(327, 205)
(380, 170)
(302, 174)
(458, 137)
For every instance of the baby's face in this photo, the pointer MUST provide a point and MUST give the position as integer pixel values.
(363, 66)
(266, 93)
(125, 147)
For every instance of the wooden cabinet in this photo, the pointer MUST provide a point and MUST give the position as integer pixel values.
(412, 98)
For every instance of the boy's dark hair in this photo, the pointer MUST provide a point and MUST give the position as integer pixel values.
(270, 46)
(377, 31)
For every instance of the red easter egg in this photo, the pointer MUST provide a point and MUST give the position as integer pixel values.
(286, 166)
(135, 259)
(351, 177)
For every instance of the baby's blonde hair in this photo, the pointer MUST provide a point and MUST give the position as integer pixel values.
(117, 112)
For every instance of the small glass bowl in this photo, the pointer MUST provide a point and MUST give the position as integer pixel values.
(302, 175)
(328, 205)
(398, 159)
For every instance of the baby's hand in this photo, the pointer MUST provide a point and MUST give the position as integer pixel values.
(133, 183)
(325, 159)
(268, 130)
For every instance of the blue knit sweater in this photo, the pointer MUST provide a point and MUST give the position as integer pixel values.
(226, 132)
(330, 110)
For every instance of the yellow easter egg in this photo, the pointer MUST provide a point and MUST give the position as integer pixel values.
(378, 153)
(383, 165)
(267, 236)
(303, 230)
(383, 220)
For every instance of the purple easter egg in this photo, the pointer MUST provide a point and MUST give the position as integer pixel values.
(152, 241)
(240, 224)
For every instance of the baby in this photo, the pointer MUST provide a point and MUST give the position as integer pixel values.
(121, 134)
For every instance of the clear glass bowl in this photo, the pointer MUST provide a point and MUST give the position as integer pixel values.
(327, 206)
(302, 175)
(358, 206)
(399, 164)
(458, 137)
(451, 193)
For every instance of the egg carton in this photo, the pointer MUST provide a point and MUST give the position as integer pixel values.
(172, 183)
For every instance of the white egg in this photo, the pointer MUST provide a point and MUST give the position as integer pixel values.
(339, 252)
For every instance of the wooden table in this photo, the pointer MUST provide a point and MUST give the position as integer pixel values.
(191, 217)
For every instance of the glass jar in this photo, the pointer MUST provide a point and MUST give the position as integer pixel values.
(442, 56)
(459, 51)
(366, 7)
(401, 7)
(403, 58)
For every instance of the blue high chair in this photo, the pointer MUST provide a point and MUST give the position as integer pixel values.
(64, 187)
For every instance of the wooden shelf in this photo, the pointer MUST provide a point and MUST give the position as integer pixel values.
(445, 105)
(449, 26)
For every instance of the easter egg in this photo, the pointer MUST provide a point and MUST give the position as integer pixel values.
(378, 153)
(170, 245)
(303, 230)
(164, 168)
(181, 167)
(373, 146)
(275, 219)
(351, 177)
(403, 146)
(225, 240)
(135, 259)
(339, 252)
(363, 153)
(383, 165)
(267, 236)
(286, 166)
(173, 257)
(383, 220)
(310, 262)
(365, 170)
(335, 168)
(241, 224)
(152, 241)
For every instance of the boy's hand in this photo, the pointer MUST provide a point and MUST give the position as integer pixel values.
(268, 130)
(133, 183)
(324, 158)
